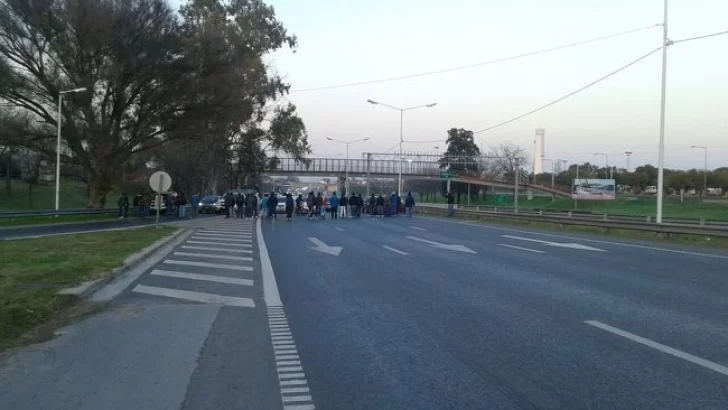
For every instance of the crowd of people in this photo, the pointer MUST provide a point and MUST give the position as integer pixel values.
(249, 206)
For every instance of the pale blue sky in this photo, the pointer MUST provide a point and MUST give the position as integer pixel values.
(342, 41)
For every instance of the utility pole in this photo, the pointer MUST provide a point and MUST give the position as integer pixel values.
(661, 148)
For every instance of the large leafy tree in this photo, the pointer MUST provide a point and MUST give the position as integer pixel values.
(151, 76)
(462, 151)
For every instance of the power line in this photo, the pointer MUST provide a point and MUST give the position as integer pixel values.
(720, 33)
(463, 67)
(571, 93)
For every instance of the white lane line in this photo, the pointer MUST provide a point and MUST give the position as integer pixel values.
(658, 346)
(208, 248)
(418, 228)
(197, 276)
(338, 229)
(194, 296)
(217, 240)
(520, 248)
(270, 287)
(290, 399)
(298, 407)
(295, 390)
(520, 238)
(242, 245)
(211, 256)
(293, 382)
(389, 248)
(209, 265)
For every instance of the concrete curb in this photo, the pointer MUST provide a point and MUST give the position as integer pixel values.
(86, 289)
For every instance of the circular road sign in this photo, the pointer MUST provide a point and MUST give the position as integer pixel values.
(160, 181)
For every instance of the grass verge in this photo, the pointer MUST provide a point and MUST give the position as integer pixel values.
(33, 271)
(692, 240)
(42, 220)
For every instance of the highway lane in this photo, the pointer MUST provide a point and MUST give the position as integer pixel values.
(416, 325)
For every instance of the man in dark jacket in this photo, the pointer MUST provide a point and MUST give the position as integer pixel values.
(409, 203)
(229, 201)
(272, 205)
(289, 206)
(240, 202)
(344, 204)
(380, 205)
(353, 204)
(311, 203)
(450, 204)
(123, 204)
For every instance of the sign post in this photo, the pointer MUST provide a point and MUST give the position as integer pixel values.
(160, 181)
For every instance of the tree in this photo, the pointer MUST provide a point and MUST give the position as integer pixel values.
(500, 162)
(462, 152)
(151, 77)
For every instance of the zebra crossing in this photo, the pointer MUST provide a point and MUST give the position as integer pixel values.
(216, 264)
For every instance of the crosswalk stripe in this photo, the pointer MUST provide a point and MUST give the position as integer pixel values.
(211, 256)
(242, 245)
(224, 240)
(209, 265)
(197, 276)
(209, 248)
(194, 296)
(224, 235)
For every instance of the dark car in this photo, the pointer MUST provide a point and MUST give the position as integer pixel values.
(209, 205)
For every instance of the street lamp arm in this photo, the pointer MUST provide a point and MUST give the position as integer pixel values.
(419, 106)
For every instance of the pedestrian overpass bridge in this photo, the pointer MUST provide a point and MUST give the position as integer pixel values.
(388, 168)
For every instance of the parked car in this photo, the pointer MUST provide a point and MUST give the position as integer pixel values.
(153, 204)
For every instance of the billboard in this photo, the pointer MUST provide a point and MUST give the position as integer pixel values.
(599, 189)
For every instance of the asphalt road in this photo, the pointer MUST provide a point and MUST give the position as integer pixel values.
(424, 326)
(396, 313)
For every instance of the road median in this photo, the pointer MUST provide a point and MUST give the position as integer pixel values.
(34, 271)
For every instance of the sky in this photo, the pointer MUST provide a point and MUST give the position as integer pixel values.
(344, 41)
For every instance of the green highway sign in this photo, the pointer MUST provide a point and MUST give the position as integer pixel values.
(445, 174)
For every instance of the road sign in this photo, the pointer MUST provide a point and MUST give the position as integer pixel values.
(445, 174)
(160, 181)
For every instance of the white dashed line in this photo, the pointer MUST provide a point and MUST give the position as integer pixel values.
(418, 228)
(389, 248)
(292, 379)
(520, 248)
(338, 229)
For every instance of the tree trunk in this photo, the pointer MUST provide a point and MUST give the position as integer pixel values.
(8, 177)
(100, 183)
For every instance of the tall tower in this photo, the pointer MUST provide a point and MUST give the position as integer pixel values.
(538, 150)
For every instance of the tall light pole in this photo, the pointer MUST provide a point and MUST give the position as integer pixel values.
(606, 162)
(705, 168)
(661, 150)
(58, 142)
(628, 154)
(401, 122)
(346, 164)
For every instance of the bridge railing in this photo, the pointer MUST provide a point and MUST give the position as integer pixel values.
(358, 166)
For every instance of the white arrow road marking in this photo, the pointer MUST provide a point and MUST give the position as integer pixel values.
(458, 248)
(323, 248)
(338, 229)
(418, 228)
(520, 248)
(577, 246)
(389, 248)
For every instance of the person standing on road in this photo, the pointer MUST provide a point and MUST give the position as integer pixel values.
(409, 203)
(311, 203)
(272, 205)
(353, 205)
(359, 206)
(289, 206)
(240, 203)
(264, 206)
(450, 204)
(344, 204)
(372, 205)
(123, 204)
(380, 206)
(256, 199)
(319, 205)
(334, 206)
(195, 203)
(182, 206)
(228, 201)
(393, 204)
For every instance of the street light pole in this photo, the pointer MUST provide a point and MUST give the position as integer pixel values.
(628, 154)
(661, 150)
(346, 163)
(401, 126)
(58, 142)
(705, 168)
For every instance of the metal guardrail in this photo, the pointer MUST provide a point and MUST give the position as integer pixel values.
(579, 220)
(45, 212)
(598, 216)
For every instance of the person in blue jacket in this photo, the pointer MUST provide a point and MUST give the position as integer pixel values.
(409, 203)
(393, 201)
(334, 205)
